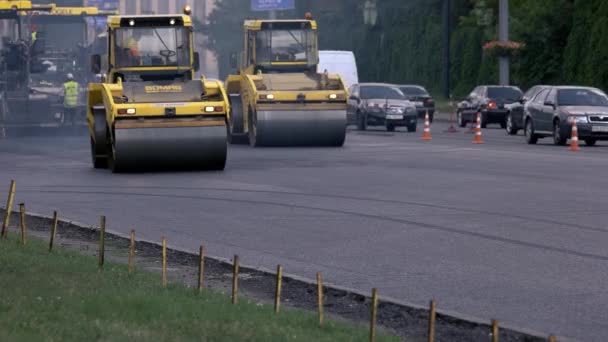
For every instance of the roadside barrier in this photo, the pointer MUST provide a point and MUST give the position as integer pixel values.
(426, 136)
(432, 320)
(478, 139)
(574, 147)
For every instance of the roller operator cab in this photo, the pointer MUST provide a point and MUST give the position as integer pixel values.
(149, 111)
(278, 98)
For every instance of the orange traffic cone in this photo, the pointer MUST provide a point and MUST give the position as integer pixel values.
(574, 138)
(478, 139)
(426, 136)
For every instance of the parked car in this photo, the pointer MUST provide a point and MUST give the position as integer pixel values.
(490, 101)
(342, 63)
(421, 98)
(515, 111)
(379, 104)
(553, 110)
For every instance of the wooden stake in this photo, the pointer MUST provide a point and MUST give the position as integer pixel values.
(235, 280)
(9, 208)
(432, 318)
(132, 252)
(277, 294)
(201, 268)
(374, 316)
(320, 298)
(164, 272)
(23, 227)
(102, 236)
(494, 330)
(53, 231)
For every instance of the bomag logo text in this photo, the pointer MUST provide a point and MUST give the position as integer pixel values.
(164, 89)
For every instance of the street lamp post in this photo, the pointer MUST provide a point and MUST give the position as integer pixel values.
(503, 35)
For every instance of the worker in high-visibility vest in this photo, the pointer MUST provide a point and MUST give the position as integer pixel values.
(70, 100)
(34, 30)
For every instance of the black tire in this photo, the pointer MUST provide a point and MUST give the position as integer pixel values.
(503, 125)
(484, 121)
(431, 117)
(510, 125)
(558, 138)
(531, 137)
(236, 134)
(412, 128)
(98, 162)
(460, 119)
(361, 122)
(390, 127)
(590, 142)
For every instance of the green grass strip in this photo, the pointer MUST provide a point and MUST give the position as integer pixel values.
(62, 296)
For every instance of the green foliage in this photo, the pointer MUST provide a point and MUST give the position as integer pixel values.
(566, 41)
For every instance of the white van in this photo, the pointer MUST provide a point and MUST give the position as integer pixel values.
(342, 63)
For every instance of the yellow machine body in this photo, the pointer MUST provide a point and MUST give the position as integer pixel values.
(278, 98)
(150, 111)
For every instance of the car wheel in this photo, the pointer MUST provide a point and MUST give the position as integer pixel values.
(510, 125)
(361, 122)
(412, 128)
(558, 138)
(431, 117)
(531, 137)
(590, 142)
(460, 119)
(390, 127)
(484, 121)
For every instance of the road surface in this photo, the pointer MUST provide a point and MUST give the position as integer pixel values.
(502, 230)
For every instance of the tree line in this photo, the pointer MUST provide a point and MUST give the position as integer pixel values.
(566, 41)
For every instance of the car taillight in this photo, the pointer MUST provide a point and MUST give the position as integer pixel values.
(492, 105)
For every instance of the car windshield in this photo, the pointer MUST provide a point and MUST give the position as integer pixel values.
(504, 93)
(379, 92)
(413, 91)
(581, 97)
(285, 46)
(148, 46)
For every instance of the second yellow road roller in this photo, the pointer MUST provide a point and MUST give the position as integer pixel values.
(150, 111)
(278, 98)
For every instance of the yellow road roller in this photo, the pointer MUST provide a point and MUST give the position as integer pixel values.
(278, 98)
(149, 111)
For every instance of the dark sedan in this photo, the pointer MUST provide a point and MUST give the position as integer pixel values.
(553, 110)
(515, 114)
(422, 99)
(379, 104)
(491, 102)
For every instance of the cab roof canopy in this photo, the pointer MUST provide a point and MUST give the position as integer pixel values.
(149, 20)
(263, 24)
